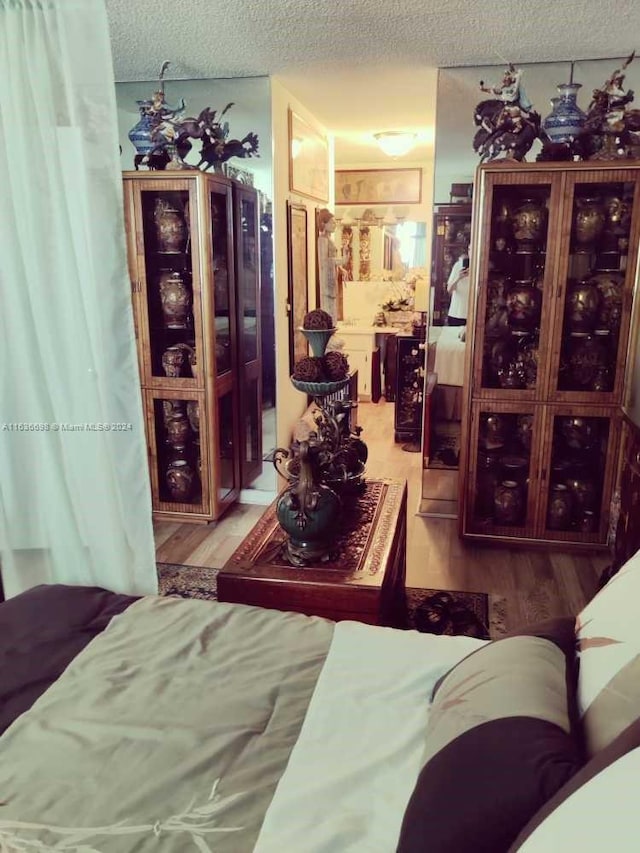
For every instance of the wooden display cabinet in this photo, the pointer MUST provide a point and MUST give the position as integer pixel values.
(194, 267)
(409, 394)
(554, 274)
(451, 234)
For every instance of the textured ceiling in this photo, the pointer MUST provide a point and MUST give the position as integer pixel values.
(361, 65)
(241, 38)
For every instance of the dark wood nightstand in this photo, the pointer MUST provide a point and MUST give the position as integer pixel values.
(364, 580)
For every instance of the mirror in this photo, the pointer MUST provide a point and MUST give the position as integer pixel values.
(383, 256)
(455, 165)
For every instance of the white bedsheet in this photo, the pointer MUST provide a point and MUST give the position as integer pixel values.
(357, 758)
(449, 361)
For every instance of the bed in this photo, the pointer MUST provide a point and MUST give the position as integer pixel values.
(168, 724)
(444, 400)
(446, 356)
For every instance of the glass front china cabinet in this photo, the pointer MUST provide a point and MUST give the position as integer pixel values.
(554, 263)
(451, 235)
(195, 285)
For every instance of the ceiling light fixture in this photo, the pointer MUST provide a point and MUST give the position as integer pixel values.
(395, 143)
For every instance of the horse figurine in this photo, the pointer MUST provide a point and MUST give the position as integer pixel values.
(217, 152)
(507, 123)
(216, 148)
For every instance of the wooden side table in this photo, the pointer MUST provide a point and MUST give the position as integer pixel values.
(364, 580)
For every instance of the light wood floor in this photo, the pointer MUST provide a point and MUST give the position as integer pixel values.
(535, 584)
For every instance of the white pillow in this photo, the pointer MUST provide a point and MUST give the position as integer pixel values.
(608, 634)
(600, 816)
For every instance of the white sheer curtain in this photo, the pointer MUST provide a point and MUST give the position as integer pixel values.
(74, 504)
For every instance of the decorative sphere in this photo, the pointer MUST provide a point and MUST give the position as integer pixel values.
(309, 369)
(317, 319)
(336, 365)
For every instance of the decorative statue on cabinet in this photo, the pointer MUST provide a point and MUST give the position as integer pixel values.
(162, 137)
(328, 262)
(152, 134)
(508, 124)
(611, 130)
(216, 147)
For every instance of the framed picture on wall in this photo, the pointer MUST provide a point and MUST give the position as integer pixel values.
(378, 186)
(298, 280)
(308, 159)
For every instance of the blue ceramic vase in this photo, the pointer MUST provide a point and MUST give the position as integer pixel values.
(140, 133)
(566, 120)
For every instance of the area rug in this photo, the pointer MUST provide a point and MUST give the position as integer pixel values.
(437, 611)
(428, 610)
(187, 581)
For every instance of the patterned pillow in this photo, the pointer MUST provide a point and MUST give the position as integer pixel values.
(500, 742)
(608, 633)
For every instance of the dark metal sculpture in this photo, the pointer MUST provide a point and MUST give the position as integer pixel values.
(216, 148)
(612, 131)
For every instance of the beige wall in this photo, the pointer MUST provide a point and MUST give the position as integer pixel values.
(291, 403)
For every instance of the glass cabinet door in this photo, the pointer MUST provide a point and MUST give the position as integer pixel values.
(169, 283)
(177, 435)
(223, 285)
(247, 250)
(227, 451)
(515, 280)
(596, 278)
(576, 476)
(501, 489)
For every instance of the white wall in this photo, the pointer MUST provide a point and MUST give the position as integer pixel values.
(291, 403)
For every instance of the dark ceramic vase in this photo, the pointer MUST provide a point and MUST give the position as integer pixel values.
(559, 513)
(171, 228)
(583, 490)
(524, 430)
(173, 361)
(529, 222)
(579, 433)
(589, 222)
(508, 503)
(501, 355)
(582, 306)
(180, 480)
(587, 355)
(524, 302)
(609, 285)
(308, 511)
(175, 300)
(494, 429)
(178, 430)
